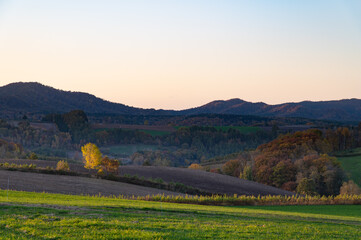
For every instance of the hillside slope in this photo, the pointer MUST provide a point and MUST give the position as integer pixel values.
(37, 182)
(206, 181)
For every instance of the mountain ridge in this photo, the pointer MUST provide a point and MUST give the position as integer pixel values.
(37, 98)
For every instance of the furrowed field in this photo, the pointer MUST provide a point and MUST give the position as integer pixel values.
(55, 216)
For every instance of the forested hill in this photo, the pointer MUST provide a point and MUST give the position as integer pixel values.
(37, 98)
(341, 110)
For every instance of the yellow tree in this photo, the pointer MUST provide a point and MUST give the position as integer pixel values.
(92, 156)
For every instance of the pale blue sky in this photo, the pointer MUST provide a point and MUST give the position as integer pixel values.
(180, 54)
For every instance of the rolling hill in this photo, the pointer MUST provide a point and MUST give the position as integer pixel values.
(205, 181)
(36, 98)
(339, 110)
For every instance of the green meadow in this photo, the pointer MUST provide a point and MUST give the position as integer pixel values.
(242, 129)
(155, 133)
(127, 149)
(25, 215)
(351, 163)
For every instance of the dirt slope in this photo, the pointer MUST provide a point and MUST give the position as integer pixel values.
(210, 182)
(36, 182)
(206, 181)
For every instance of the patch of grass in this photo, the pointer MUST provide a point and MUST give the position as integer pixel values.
(128, 149)
(332, 210)
(41, 216)
(242, 129)
(349, 153)
(155, 133)
(351, 163)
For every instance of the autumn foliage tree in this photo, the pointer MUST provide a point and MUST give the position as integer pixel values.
(93, 160)
(350, 188)
(109, 166)
(299, 162)
(233, 167)
(195, 166)
(92, 156)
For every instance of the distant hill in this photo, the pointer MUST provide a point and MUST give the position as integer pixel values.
(341, 110)
(36, 98)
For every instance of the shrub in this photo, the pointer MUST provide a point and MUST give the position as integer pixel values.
(232, 168)
(306, 186)
(195, 166)
(215, 170)
(350, 188)
(62, 166)
(33, 156)
(109, 166)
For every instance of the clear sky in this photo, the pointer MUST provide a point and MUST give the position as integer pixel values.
(180, 54)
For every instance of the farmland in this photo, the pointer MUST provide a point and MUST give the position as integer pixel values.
(351, 162)
(56, 216)
(241, 129)
(127, 149)
(205, 181)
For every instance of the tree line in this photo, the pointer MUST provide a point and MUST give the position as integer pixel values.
(300, 162)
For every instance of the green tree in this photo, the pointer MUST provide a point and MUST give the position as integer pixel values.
(306, 186)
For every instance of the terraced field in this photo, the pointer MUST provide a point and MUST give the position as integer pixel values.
(26, 215)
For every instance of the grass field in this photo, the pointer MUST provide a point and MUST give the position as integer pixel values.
(128, 149)
(242, 129)
(26, 215)
(351, 163)
(155, 133)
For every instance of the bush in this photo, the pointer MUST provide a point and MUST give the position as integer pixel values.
(33, 156)
(195, 166)
(350, 188)
(215, 170)
(233, 167)
(62, 166)
(306, 186)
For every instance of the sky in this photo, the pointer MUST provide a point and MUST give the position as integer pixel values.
(179, 54)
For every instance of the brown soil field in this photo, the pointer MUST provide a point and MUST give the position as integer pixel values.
(202, 180)
(207, 181)
(37, 182)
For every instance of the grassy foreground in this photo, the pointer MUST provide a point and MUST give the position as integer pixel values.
(26, 215)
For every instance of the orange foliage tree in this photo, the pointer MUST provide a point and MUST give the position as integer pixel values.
(195, 166)
(298, 158)
(109, 165)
